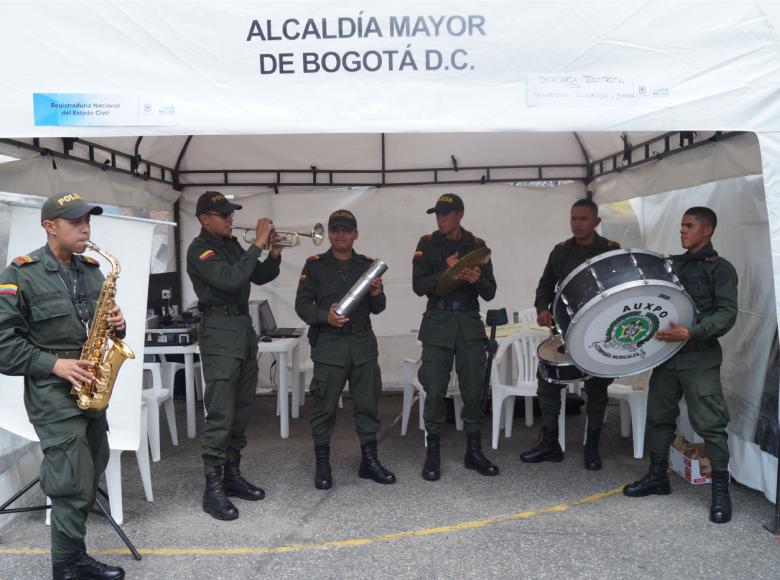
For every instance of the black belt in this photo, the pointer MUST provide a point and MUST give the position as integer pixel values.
(65, 353)
(349, 328)
(225, 310)
(453, 305)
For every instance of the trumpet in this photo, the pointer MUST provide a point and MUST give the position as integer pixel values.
(289, 239)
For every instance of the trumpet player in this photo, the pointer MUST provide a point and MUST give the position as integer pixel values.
(343, 348)
(47, 301)
(222, 273)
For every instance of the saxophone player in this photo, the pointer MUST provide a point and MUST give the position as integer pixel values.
(47, 300)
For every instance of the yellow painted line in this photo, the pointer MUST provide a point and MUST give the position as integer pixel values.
(351, 543)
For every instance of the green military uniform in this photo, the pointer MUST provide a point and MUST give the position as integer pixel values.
(564, 258)
(222, 273)
(451, 329)
(44, 309)
(341, 354)
(695, 370)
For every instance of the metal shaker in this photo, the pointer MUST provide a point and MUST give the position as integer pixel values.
(360, 288)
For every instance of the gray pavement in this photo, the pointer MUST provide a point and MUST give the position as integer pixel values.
(611, 537)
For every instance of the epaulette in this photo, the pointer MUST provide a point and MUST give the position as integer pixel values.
(90, 261)
(711, 259)
(20, 261)
(613, 244)
(313, 258)
(479, 241)
(426, 238)
(561, 244)
(367, 258)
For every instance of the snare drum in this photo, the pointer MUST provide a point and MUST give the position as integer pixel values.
(555, 366)
(610, 307)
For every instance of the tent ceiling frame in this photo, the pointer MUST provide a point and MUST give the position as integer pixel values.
(655, 149)
(108, 159)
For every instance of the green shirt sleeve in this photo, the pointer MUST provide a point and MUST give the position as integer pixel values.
(424, 279)
(545, 291)
(18, 356)
(721, 318)
(306, 299)
(216, 271)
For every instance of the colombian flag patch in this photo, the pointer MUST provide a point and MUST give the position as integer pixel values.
(418, 254)
(9, 289)
(22, 260)
(206, 255)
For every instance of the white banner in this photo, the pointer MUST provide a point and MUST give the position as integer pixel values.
(345, 66)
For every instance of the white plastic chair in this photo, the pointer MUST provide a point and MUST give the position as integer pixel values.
(169, 370)
(154, 397)
(633, 413)
(412, 384)
(523, 350)
(526, 315)
(114, 470)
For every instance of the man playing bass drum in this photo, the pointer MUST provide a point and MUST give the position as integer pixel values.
(564, 258)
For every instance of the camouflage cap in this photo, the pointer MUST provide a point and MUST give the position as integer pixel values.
(70, 206)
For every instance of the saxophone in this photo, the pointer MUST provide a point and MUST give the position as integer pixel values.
(103, 349)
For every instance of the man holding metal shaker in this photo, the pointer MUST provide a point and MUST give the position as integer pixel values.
(336, 298)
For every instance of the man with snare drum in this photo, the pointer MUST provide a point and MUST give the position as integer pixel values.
(564, 258)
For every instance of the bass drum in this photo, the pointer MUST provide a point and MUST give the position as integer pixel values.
(555, 366)
(610, 307)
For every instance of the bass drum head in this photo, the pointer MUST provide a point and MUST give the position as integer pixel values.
(612, 336)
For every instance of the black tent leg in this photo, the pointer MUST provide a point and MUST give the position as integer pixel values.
(116, 527)
(110, 519)
(774, 525)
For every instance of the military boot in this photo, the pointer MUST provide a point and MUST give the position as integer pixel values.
(89, 568)
(323, 478)
(656, 482)
(370, 468)
(235, 485)
(591, 452)
(65, 569)
(215, 502)
(548, 448)
(474, 458)
(432, 466)
(720, 509)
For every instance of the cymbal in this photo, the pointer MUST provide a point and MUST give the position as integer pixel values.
(449, 280)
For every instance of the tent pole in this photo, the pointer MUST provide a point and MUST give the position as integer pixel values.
(177, 250)
(774, 525)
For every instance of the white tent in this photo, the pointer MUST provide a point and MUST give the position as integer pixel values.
(350, 103)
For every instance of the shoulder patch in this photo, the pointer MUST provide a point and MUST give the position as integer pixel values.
(206, 255)
(369, 258)
(8, 289)
(561, 244)
(479, 241)
(711, 259)
(302, 278)
(90, 261)
(20, 261)
(613, 244)
(426, 238)
(313, 258)
(417, 255)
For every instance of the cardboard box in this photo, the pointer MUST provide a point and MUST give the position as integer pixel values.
(688, 461)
